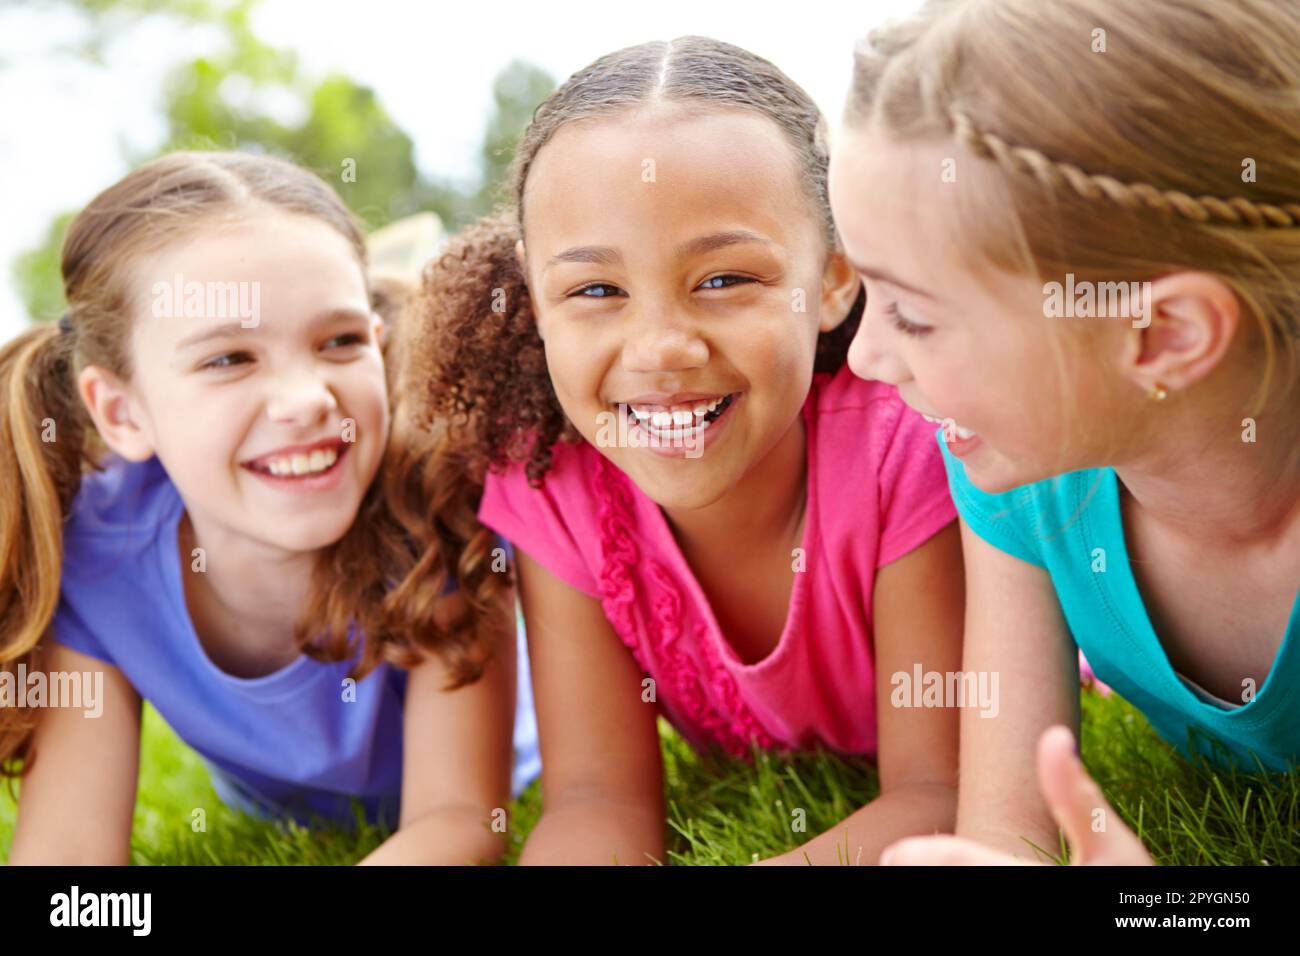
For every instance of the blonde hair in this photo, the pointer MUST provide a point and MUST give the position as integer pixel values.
(1117, 138)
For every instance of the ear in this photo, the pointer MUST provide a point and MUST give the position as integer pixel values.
(110, 405)
(1186, 328)
(840, 285)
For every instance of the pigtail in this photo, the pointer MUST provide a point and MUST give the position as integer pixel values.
(43, 431)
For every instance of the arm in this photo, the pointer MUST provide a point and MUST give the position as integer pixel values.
(917, 614)
(456, 761)
(77, 802)
(1074, 799)
(602, 771)
(1014, 628)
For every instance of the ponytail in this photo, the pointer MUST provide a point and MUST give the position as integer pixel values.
(43, 430)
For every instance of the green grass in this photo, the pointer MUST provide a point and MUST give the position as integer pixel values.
(724, 811)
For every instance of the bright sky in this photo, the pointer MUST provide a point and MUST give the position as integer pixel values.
(431, 65)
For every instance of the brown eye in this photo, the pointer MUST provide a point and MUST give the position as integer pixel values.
(229, 360)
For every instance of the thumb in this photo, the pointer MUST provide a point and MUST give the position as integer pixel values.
(1094, 829)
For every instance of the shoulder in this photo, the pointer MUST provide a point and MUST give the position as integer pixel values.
(119, 512)
(566, 484)
(868, 436)
(556, 522)
(113, 589)
(1026, 520)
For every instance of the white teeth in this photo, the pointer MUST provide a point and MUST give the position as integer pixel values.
(963, 433)
(321, 459)
(662, 417)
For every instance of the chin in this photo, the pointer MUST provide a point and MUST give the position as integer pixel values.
(675, 483)
(309, 536)
(995, 474)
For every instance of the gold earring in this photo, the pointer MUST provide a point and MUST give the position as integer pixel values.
(1158, 393)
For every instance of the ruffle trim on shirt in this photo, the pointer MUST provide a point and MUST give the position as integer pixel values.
(732, 725)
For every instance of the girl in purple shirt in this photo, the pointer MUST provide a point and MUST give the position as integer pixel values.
(265, 550)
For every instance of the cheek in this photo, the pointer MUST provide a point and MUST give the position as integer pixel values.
(575, 362)
(197, 427)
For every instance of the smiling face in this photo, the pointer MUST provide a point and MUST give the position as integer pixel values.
(248, 404)
(966, 344)
(679, 277)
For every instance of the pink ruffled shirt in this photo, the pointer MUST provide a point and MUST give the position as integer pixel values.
(876, 490)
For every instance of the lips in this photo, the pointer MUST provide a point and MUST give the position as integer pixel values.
(951, 430)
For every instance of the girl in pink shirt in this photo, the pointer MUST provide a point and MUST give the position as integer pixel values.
(713, 519)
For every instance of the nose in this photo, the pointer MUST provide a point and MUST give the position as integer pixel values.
(661, 339)
(870, 355)
(300, 397)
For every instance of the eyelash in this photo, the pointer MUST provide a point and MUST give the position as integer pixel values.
(216, 363)
(903, 324)
(580, 293)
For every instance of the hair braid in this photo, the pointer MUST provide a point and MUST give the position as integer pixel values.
(1237, 210)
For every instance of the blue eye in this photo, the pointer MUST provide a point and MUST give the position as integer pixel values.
(903, 324)
(726, 281)
(597, 290)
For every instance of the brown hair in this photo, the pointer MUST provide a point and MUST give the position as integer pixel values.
(480, 352)
(1113, 139)
(415, 527)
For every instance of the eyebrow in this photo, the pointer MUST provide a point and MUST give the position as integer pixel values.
(882, 276)
(608, 255)
(235, 328)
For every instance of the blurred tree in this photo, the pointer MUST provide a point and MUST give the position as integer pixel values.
(252, 96)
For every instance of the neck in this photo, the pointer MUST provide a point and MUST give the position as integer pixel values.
(1198, 478)
(255, 588)
(767, 504)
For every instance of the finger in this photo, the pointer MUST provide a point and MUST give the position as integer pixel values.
(944, 850)
(1093, 827)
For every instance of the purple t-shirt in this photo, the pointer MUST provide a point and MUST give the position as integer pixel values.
(290, 743)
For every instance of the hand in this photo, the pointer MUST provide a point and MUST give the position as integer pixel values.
(1072, 796)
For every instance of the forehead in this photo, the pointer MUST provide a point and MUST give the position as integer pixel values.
(913, 209)
(294, 264)
(647, 173)
(889, 197)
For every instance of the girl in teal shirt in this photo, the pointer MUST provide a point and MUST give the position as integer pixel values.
(1078, 225)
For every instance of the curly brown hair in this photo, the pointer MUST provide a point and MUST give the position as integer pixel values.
(414, 532)
(479, 352)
